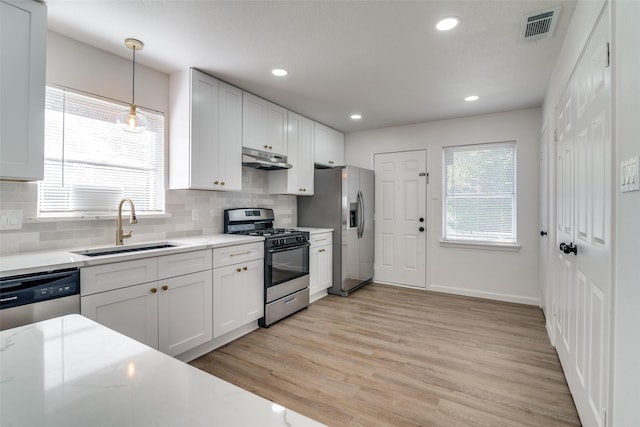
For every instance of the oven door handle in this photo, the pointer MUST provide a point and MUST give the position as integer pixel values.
(288, 248)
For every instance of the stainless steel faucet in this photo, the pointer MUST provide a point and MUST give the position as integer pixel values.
(120, 236)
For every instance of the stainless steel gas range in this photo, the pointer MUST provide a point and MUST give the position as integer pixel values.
(286, 261)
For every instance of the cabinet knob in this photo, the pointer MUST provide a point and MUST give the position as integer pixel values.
(266, 146)
(244, 268)
(154, 290)
(165, 287)
(215, 182)
(321, 250)
(270, 147)
(238, 270)
(300, 189)
(222, 183)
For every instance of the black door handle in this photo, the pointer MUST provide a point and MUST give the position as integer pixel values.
(567, 249)
(543, 233)
(421, 228)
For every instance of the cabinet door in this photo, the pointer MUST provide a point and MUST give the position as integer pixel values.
(276, 129)
(185, 312)
(264, 125)
(329, 146)
(224, 300)
(305, 156)
(204, 131)
(237, 296)
(254, 122)
(230, 138)
(132, 311)
(250, 291)
(22, 60)
(320, 268)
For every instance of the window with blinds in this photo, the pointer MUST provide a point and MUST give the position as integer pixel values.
(480, 193)
(91, 163)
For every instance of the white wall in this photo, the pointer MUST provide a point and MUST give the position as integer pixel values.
(76, 65)
(625, 387)
(502, 275)
(626, 353)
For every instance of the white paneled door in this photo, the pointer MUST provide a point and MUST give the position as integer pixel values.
(584, 210)
(400, 218)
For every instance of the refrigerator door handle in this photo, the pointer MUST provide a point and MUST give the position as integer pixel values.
(360, 215)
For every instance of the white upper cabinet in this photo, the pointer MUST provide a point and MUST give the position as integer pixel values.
(300, 141)
(206, 133)
(264, 125)
(23, 63)
(329, 146)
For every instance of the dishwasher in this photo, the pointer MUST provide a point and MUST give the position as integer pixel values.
(34, 297)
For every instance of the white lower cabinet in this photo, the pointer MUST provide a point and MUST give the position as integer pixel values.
(320, 265)
(238, 291)
(185, 317)
(171, 314)
(132, 311)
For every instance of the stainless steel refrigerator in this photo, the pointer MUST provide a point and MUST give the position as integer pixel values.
(343, 200)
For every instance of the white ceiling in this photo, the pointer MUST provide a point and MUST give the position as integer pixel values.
(382, 59)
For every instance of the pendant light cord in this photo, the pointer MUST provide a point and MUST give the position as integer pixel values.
(133, 81)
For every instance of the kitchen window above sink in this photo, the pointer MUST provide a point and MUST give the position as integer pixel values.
(91, 163)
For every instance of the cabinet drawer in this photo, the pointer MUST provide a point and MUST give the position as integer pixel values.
(101, 278)
(185, 263)
(238, 253)
(321, 239)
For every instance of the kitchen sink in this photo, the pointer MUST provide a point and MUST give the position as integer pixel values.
(114, 250)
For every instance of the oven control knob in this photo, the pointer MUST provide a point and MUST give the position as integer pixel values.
(282, 241)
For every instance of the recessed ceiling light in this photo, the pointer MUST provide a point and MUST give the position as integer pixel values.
(472, 98)
(356, 116)
(448, 23)
(280, 72)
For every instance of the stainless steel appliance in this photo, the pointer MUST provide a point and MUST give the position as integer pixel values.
(343, 200)
(286, 261)
(34, 297)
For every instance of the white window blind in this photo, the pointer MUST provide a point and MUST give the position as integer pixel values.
(91, 163)
(480, 193)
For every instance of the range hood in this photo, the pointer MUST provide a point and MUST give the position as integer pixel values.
(262, 160)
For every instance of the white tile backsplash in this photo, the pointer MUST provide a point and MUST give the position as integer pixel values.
(180, 205)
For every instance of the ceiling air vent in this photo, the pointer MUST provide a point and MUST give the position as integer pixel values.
(539, 25)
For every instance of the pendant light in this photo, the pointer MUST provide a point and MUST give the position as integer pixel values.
(132, 120)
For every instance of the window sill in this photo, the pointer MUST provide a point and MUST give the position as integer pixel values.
(508, 247)
(96, 217)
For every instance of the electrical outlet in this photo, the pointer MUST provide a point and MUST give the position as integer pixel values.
(630, 174)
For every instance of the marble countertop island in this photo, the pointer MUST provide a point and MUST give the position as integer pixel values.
(71, 371)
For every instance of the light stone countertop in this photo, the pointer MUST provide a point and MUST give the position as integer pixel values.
(36, 262)
(312, 231)
(71, 371)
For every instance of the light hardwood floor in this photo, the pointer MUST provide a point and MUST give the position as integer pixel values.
(394, 356)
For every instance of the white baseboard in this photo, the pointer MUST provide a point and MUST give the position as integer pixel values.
(318, 295)
(205, 348)
(486, 295)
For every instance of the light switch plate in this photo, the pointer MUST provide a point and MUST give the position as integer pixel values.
(630, 174)
(11, 219)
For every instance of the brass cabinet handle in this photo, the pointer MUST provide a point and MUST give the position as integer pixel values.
(222, 183)
(270, 147)
(321, 250)
(238, 270)
(165, 287)
(215, 182)
(240, 253)
(154, 290)
(266, 146)
(244, 268)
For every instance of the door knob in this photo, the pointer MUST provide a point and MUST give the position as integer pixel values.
(421, 229)
(543, 233)
(567, 249)
(421, 220)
